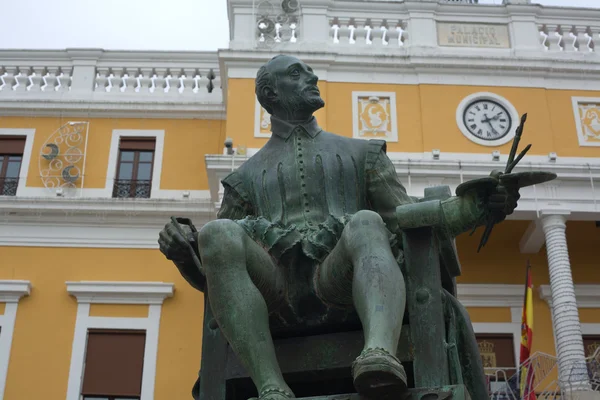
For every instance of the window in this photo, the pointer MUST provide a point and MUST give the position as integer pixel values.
(113, 365)
(11, 157)
(498, 358)
(134, 168)
(591, 344)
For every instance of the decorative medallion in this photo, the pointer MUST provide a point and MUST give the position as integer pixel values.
(587, 120)
(374, 116)
(487, 119)
(62, 157)
(488, 354)
(262, 122)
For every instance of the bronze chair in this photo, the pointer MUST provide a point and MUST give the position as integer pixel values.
(439, 351)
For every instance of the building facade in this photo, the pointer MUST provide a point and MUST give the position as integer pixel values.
(99, 148)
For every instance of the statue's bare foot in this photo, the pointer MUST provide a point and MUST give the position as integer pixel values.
(377, 374)
(274, 393)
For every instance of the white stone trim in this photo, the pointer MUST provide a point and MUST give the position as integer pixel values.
(257, 111)
(431, 67)
(120, 292)
(580, 133)
(393, 114)
(10, 293)
(514, 115)
(29, 137)
(151, 293)
(587, 295)
(490, 295)
(496, 295)
(101, 223)
(572, 191)
(113, 157)
(590, 329)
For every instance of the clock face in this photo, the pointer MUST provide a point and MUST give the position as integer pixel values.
(487, 119)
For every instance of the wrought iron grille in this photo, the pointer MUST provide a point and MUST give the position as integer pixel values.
(126, 188)
(8, 186)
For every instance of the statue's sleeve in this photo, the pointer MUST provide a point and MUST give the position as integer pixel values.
(235, 204)
(384, 190)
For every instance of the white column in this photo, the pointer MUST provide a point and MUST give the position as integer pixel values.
(565, 316)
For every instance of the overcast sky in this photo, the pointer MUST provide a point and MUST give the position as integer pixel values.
(133, 24)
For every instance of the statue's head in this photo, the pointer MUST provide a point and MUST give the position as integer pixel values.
(287, 88)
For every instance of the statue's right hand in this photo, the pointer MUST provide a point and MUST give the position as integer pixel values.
(174, 245)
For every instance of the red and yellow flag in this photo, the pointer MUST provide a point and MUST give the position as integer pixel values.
(527, 374)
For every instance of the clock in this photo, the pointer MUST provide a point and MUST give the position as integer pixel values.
(487, 119)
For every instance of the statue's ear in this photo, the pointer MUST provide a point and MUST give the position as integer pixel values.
(269, 94)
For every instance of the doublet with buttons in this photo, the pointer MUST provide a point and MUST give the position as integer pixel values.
(305, 183)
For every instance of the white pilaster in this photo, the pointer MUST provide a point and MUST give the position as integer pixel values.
(565, 317)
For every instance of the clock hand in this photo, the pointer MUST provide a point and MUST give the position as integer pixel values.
(488, 121)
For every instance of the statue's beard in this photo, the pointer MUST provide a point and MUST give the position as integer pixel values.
(297, 104)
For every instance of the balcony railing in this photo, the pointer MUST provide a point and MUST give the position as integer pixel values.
(125, 188)
(98, 81)
(8, 186)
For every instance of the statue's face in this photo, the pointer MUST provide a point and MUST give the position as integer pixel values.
(295, 85)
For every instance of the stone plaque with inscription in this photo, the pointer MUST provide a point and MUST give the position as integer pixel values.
(457, 34)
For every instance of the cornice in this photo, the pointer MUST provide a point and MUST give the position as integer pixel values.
(490, 295)
(101, 292)
(116, 108)
(11, 291)
(587, 295)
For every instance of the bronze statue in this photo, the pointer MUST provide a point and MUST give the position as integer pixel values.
(308, 230)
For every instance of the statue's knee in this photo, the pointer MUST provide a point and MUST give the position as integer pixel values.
(365, 225)
(221, 235)
(365, 220)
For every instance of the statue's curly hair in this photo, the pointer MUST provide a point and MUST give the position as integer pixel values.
(264, 78)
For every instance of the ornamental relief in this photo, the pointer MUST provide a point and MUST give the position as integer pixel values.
(587, 120)
(374, 116)
(590, 121)
(262, 122)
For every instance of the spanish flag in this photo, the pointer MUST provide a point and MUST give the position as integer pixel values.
(527, 377)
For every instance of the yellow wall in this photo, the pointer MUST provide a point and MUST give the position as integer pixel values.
(427, 116)
(489, 314)
(119, 310)
(45, 323)
(186, 142)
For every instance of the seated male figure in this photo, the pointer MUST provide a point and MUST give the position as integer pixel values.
(309, 222)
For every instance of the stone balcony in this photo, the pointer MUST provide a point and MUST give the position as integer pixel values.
(96, 82)
(514, 39)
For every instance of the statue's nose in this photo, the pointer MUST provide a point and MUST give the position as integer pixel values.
(313, 79)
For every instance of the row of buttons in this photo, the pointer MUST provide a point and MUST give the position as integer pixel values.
(301, 169)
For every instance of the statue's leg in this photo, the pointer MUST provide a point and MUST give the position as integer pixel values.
(243, 285)
(362, 271)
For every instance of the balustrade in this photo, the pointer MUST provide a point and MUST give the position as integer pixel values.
(569, 38)
(170, 76)
(350, 31)
(34, 79)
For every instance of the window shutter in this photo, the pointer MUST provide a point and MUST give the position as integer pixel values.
(137, 143)
(12, 144)
(497, 351)
(114, 363)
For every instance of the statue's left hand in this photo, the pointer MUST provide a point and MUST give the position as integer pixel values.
(500, 200)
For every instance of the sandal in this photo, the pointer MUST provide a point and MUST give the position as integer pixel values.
(378, 374)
